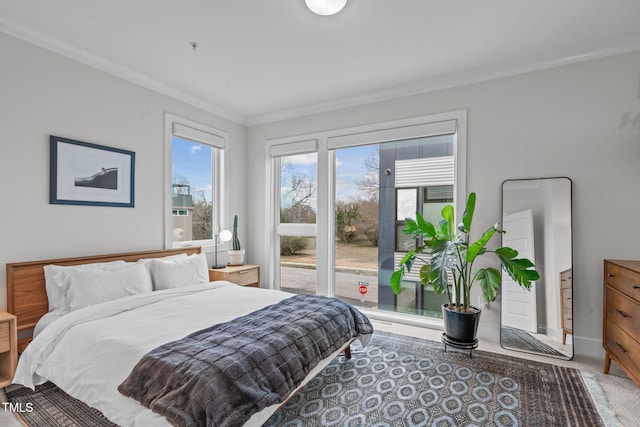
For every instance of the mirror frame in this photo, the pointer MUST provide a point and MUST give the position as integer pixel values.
(560, 355)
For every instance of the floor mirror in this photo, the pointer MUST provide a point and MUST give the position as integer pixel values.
(536, 217)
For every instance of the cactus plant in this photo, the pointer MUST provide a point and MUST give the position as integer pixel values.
(235, 240)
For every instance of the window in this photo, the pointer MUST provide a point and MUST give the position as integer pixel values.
(295, 201)
(369, 180)
(194, 182)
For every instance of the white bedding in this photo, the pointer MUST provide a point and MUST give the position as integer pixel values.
(89, 352)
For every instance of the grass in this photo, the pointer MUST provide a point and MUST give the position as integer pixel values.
(359, 254)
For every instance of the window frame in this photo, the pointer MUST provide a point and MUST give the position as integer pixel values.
(327, 144)
(176, 126)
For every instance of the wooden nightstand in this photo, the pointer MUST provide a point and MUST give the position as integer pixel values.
(243, 275)
(8, 348)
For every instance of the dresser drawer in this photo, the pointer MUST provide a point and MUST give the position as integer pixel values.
(623, 280)
(565, 279)
(624, 348)
(567, 320)
(567, 295)
(5, 343)
(623, 311)
(244, 277)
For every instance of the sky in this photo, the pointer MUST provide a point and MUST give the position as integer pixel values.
(193, 161)
(350, 169)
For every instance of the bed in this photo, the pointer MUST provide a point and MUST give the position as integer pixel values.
(76, 349)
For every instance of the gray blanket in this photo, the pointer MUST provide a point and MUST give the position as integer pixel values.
(222, 375)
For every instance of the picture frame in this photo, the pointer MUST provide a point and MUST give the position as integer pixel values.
(82, 173)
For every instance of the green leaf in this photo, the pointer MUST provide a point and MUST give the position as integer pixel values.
(396, 278)
(443, 260)
(410, 226)
(407, 260)
(479, 246)
(446, 225)
(420, 227)
(425, 274)
(489, 279)
(521, 270)
(467, 217)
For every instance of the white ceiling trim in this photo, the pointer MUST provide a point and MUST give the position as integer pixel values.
(454, 80)
(63, 48)
(54, 44)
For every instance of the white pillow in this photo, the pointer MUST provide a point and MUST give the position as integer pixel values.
(146, 261)
(54, 280)
(89, 287)
(190, 270)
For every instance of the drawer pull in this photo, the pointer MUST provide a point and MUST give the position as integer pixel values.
(243, 272)
(611, 275)
(621, 347)
(622, 313)
(636, 287)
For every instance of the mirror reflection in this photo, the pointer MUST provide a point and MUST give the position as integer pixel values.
(536, 215)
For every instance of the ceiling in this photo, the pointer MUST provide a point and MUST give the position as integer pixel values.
(262, 60)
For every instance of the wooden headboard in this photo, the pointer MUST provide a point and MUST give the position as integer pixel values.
(26, 292)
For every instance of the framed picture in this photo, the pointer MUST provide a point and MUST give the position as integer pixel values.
(89, 174)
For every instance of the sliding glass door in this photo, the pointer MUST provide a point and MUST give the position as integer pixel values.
(339, 202)
(377, 187)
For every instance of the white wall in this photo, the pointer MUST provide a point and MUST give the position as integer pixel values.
(565, 121)
(42, 93)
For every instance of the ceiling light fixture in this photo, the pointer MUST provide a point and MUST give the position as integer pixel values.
(325, 7)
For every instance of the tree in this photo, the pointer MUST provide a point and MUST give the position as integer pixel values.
(346, 217)
(298, 214)
(202, 217)
(370, 184)
(297, 192)
(368, 222)
(299, 189)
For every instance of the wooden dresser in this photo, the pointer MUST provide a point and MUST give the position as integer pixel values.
(621, 316)
(566, 303)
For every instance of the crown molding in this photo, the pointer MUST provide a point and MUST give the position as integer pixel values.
(522, 66)
(479, 75)
(51, 43)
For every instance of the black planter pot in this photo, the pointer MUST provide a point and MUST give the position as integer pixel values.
(461, 328)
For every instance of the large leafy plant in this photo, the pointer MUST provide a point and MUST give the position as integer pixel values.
(452, 255)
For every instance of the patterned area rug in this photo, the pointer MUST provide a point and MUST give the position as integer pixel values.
(396, 381)
(404, 381)
(521, 340)
(54, 408)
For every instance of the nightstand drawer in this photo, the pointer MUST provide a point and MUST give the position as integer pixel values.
(8, 347)
(5, 342)
(244, 277)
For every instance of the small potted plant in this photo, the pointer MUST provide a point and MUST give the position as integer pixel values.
(451, 256)
(236, 255)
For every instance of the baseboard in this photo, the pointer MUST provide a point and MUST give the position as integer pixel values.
(588, 347)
